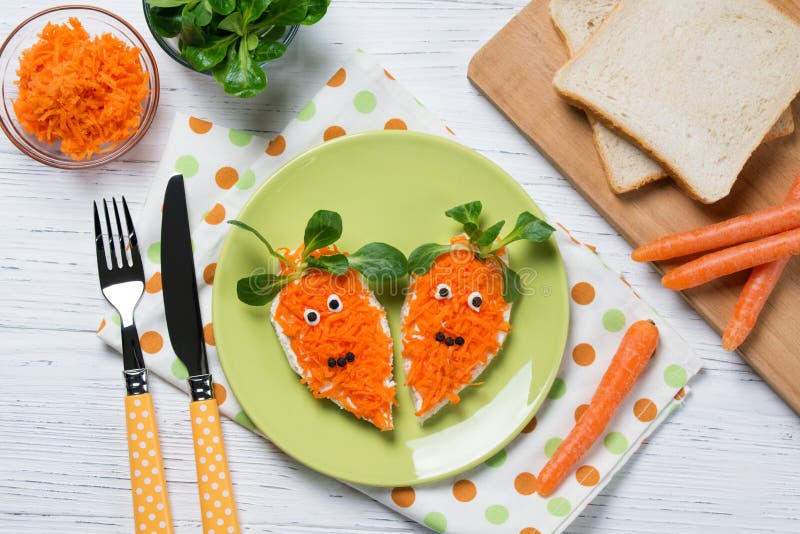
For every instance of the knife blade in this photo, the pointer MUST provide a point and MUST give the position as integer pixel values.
(181, 303)
(185, 328)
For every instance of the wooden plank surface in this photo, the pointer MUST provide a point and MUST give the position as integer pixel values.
(515, 71)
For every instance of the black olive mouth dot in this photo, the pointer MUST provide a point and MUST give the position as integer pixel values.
(350, 356)
(448, 340)
(342, 361)
(331, 362)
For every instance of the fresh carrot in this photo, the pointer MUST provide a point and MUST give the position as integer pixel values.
(85, 92)
(732, 260)
(635, 350)
(733, 231)
(756, 291)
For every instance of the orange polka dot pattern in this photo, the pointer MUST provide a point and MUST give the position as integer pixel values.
(333, 132)
(213, 478)
(645, 410)
(404, 497)
(154, 284)
(199, 126)
(529, 530)
(464, 490)
(216, 215)
(338, 78)
(226, 177)
(151, 512)
(209, 272)
(276, 146)
(525, 483)
(586, 475)
(151, 342)
(583, 293)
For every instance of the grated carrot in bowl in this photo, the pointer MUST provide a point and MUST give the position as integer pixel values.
(85, 92)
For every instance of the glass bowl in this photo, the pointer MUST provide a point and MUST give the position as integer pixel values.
(170, 44)
(96, 21)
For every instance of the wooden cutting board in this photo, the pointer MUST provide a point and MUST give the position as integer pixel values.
(515, 71)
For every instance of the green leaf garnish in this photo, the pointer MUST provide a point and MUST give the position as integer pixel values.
(488, 236)
(167, 3)
(259, 289)
(512, 285)
(232, 37)
(166, 21)
(375, 261)
(333, 263)
(232, 23)
(316, 10)
(268, 51)
(422, 257)
(272, 252)
(238, 74)
(223, 7)
(467, 214)
(529, 227)
(379, 262)
(209, 55)
(322, 230)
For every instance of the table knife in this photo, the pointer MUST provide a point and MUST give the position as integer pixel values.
(185, 327)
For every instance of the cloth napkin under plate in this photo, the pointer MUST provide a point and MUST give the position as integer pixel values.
(223, 167)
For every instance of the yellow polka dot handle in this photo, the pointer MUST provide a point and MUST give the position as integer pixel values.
(213, 479)
(150, 503)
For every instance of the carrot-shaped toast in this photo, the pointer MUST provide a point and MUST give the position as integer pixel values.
(635, 350)
(732, 260)
(757, 290)
(333, 330)
(733, 231)
(457, 310)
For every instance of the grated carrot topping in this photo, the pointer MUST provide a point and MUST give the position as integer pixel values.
(437, 371)
(363, 387)
(85, 92)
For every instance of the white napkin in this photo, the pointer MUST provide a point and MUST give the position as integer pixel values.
(223, 167)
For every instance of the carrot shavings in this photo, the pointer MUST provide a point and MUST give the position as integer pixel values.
(85, 92)
(437, 371)
(364, 386)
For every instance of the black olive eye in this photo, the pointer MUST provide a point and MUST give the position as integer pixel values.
(311, 316)
(334, 303)
(474, 300)
(443, 291)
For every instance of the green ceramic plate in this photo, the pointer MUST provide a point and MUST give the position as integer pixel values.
(392, 187)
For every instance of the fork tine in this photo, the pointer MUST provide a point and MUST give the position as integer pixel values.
(102, 264)
(112, 249)
(137, 259)
(123, 253)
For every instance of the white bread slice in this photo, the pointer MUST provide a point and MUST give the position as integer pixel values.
(415, 396)
(291, 356)
(696, 83)
(626, 166)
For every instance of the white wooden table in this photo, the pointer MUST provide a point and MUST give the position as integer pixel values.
(729, 461)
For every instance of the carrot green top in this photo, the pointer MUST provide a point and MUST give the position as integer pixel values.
(444, 302)
(327, 316)
(85, 92)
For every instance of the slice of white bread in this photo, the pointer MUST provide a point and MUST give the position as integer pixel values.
(294, 362)
(626, 166)
(408, 362)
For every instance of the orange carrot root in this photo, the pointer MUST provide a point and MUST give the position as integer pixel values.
(635, 350)
(756, 292)
(755, 225)
(734, 259)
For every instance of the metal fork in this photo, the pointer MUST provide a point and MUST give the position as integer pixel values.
(122, 283)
